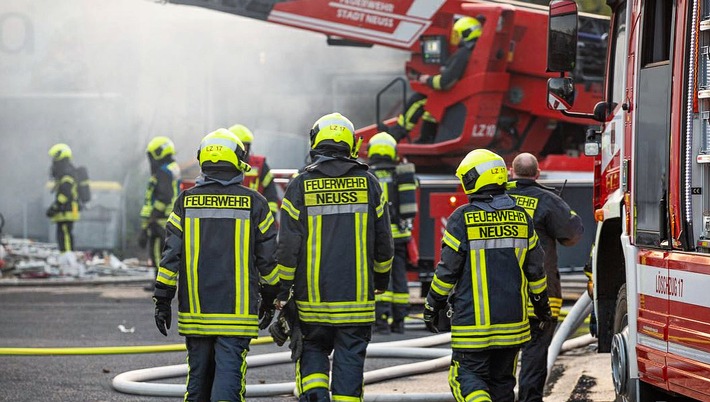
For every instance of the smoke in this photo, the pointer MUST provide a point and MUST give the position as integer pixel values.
(105, 76)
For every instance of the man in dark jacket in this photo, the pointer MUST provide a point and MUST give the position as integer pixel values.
(219, 257)
(64, 211)
(490, 254)
(554, 222)
(336, 250)
(464, 34)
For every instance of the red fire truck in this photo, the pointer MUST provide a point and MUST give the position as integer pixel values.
(651, 260)
(499, 103)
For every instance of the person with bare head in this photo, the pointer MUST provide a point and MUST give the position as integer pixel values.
(554, 222)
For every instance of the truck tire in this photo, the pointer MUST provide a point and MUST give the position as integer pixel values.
(623, 386)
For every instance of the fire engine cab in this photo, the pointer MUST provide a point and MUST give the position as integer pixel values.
(651, 260)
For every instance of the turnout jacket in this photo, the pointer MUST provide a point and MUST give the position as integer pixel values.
(454, 68)
(220, 246)
(399, 187)
(335, 243)
(163, 188)
(554, 222)
(65, 207)
(261, 179)
(490, 253)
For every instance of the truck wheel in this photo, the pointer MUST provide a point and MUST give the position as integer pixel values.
(624, 388)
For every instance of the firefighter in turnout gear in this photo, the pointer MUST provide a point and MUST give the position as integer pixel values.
(259, 177)
(64, 211)
(554, 222)
(219, 258)
(490, 254)
(336, 250)
(464, 34)
(163, 188)
(399, 189)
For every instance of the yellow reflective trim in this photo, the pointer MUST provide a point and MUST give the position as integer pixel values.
(454, 383)
(436, 81)
(272, 278)
(313, 253)
(243, 370)
(384, 266)
(337, 318)
(538, 286)
(440, 287)
(266, 223)
(406, 187)
(217, 318)
(224, 330)
(286, 273)
(361, 269)
(533, 241)
(400, 298)
(478, 395)
(299, 387)
(217, 201)
(175, 221)
(336, 307)
(315, 380)
(67, 238)
(290, 209)
(380, 210)
(159, 205)
(490, 341)
(241, 267)
(484, 286)
(62, 199)
(385, 297)
(526, 202)
(192, 230)
(273, 207)
(268, 177)
(346, 398)
(167, 277)
(451, 241)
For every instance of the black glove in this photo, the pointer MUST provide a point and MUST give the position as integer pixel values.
(296, 344)
(163, 314)
(431, 318)
(266, 307)
(51, 211)
(541, 307)
(143, 239)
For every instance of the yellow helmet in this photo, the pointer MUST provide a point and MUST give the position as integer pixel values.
(481, 168)
(160, 147)
(60, 151)
(382, 144)
(466, 29)
(244, 134)
(222, 145)
(335, 129)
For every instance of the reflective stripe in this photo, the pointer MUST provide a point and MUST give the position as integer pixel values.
(451, 241)
(268, 177)
(216, 213)
(338, 318)
(555, 306)
(273, 207)
(441, 287)
(290, 209)
(454, 383)
(345, 398)
(385, 297)
(479, 284)
(196, 329)
(175, 221)
(536, 287)
(335, 307)
(336, 122)
(488, 165)
(167, 277)
(218, 324)
(272, 278)
(436, 81)
(315, 223)
(532, 241)
(400, 298)
(241, 266)
(315, 380)
(361, 268)
(337, 312)
(267, 222)
(159, 205)
(380, 210)
(406, 187)
(478, 396)
(286, 273)
(489, 341)
(408, 208)
(219, 141)
(192, 233)
(384, 266)
(497, 243)
(337, 209)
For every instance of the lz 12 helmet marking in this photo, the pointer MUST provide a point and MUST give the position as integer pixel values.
(60, 151)
(160, 147)
(481, 169)
(223, 146)
(335, 130)
(465, 29)
(382, 144)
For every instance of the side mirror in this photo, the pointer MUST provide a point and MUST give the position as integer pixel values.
(592, 144)
(601, 111)
(560, 93)
(562, 36)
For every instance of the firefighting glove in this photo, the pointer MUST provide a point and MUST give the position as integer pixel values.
(296, 344)
(51, 211)
(541, 307)
(163, 314)
(266, 307)
(143, 239)
(431, 318)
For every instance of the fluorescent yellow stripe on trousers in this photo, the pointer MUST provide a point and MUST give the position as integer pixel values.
(361, 255)
(313, 252)
(192, 233)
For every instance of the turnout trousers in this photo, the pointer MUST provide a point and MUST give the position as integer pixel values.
(217, 368)
(483, 376)
(65, 238)
(395, 301)
(348, 344)
(156, 242)
(533, 362)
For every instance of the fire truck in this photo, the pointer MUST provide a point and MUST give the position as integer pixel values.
(651, 259)
(498, 103)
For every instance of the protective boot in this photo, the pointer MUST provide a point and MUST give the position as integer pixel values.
(397, 327)
(382, 327)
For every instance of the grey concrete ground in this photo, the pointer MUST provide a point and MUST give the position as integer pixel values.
(90, 316)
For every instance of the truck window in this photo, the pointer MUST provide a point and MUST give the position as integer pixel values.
(618, 57)
(657, 32)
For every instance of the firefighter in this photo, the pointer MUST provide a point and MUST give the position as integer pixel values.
(464, 35)
(64, 211)
(336, 250)
(219, 254)
(490, 254)
(163, 188)
(399, 189)
(554, 222)
(259, 177)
